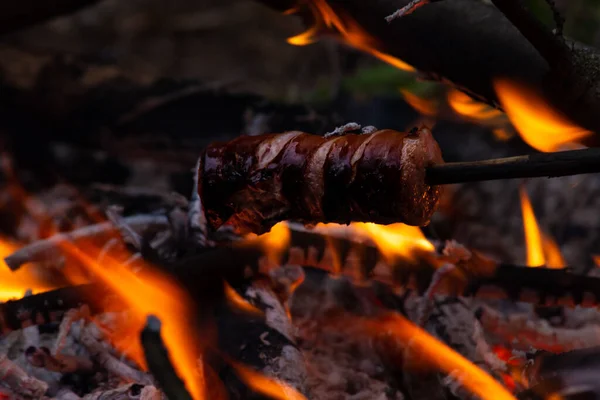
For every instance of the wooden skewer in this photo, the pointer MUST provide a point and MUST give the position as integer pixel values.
(561, 163)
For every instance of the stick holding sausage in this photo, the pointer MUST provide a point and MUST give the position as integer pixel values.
(253, 182)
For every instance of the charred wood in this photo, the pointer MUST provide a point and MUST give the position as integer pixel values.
(48, 307)
(157, 358)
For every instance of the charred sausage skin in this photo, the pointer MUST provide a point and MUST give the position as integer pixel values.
(253, 182)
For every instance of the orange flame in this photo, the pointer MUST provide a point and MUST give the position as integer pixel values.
(350, 32)
(596, 259)
(263, 384)
(156, 294)
(238, 301)
(275, 242)
(15, 284)
(439, 356)
(541, 249)
(424, 106)
(538, 123)
(396, 241)
(466, 106)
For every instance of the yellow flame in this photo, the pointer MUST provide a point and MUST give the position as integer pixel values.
(538, 123)
(238, 301)
(351, 33)
(156, 294)
(541, 249)
(424, 106)
(14, 284)
(268, 386)
(275, 242)
(396, 241)
(466, 106)
(435, 354)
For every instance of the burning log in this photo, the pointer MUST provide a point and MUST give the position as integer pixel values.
(506, 41)
(251, 183)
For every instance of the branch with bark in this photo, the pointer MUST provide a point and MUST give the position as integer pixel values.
(470, 44)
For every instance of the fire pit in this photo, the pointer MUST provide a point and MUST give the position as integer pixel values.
(342, 261)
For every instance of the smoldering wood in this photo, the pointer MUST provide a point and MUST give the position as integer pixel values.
(485, 45)
(573, 372)
(19, 381)
(37, 251)
(91, 338)
(536, 285)
(525, 332)
(42, 358)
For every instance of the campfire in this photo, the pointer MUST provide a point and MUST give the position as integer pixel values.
(348, 262)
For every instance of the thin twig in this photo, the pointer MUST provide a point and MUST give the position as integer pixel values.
(563, 163)
(157, 358)
(406, 10)
(37, 251)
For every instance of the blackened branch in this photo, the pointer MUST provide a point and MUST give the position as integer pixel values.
(157, 358)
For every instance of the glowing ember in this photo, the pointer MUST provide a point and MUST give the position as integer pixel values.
(466, 106)
(541, 126)
(435, 354)
(263, 384)
(397, 240)
(424, 106)
(156, 294)
(15, 284)
(238, 301)
(351, 33)
(541, 249)
(503, 134)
